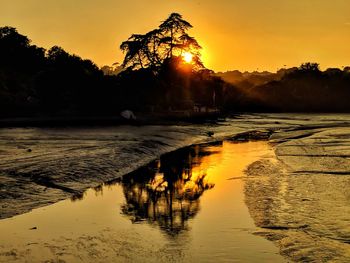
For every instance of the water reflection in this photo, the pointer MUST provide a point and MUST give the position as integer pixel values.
(98, 190)
(167, 191)
(167, 194)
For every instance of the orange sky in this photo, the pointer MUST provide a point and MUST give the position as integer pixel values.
(235, 34)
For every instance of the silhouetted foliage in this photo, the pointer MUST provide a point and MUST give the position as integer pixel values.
(167, 192)
(155, 48)
(19, 64)
(172, 83)
(155, 78)
(309, 67)
(303, 89)
(39, 82)
(36, 82)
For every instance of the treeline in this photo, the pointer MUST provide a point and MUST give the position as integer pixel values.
(39, 82)
(298, 89)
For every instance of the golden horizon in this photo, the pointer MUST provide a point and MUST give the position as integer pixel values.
(235, 35)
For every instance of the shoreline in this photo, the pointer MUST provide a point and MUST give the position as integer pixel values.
(157, 118)
(47, 186)
(40, 190)
(122, 218)
(61, 193)
(309, 151)
(93, 121)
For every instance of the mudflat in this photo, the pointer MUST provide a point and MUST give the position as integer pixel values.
(298, 199)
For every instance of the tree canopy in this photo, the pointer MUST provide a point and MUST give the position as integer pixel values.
(159, 46)
(53, 82)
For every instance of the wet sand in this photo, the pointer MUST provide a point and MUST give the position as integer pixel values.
(303, 200)
(40, 166)
(187, 207)
(299, 200)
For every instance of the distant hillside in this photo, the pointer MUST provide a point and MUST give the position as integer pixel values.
(250, 79)
(304, 89)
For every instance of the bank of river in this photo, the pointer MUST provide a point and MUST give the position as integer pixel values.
(186, 207)
(297, 197)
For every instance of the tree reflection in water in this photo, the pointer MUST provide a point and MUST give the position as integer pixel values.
(167, 191)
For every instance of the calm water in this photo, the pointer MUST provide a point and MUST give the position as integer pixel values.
(187, 206)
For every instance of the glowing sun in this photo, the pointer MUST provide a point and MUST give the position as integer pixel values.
(187, 57)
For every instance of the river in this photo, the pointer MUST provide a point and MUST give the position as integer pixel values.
(291, 190)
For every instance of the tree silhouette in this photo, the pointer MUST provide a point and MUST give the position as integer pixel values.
(168, 191)
(161, 45)
(309, 67)
(17, 53)
(10, 36)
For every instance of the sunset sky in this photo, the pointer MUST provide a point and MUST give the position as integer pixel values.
(235, 34)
